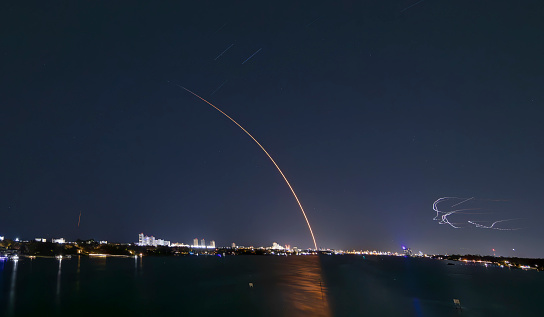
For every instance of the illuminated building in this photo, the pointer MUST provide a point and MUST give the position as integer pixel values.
(40, 240)
(162, 242)
(202, 243)
(276, 246)
(59, 240)
(151, 241)
(234, 245)
(407, 251)
(195, 242)
(212, 244)
(1, 238)
(179, 244)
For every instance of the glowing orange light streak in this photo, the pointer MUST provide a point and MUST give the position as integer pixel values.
(270, 157)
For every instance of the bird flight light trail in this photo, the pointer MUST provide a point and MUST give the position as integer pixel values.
(264, 150)
(493, 225)
(442, 216)
(79, 220)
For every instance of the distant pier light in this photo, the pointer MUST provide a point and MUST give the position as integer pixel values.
(457, 303)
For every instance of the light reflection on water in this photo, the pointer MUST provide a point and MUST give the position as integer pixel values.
(78, 272)
(304, 287)
(11, 304)
(283, 286)
(59, 271)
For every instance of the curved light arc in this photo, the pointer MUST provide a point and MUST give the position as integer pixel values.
(270, 157)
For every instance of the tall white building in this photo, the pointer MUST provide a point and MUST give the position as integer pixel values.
(151, 241)
(195, 242)
(202, 243)
(212, 244)
(59, 240)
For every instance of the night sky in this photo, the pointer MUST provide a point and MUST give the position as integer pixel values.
(373, 109)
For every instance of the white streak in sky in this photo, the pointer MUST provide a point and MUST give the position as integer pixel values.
(464, 201)
(221, 28)
(216, 89)
(223, 52)
(252, 55)
(408, 7)
(313, 22)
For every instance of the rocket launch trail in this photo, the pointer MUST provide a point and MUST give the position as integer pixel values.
(264, 150)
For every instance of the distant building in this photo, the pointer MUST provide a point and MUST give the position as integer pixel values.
(195, 242)
(202, 243)
(1, 238)
(59, 240)
(179, 244)
(276, 246)
(103, 242)
(151, 241)
(40, 240)
(234, 245)
(212, 244)
(407, 251)
(161, 242)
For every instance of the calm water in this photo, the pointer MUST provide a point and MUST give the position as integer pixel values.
(283, 286)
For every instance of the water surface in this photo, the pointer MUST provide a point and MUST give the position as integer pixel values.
(282, 286)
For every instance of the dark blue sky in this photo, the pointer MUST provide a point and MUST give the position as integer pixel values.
(372, 112)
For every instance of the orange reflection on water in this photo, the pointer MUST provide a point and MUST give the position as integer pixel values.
(303, 285)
